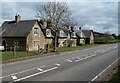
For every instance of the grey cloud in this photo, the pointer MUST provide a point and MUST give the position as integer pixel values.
(98, 15)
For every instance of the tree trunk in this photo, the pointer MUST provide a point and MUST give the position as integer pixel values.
(55, 44)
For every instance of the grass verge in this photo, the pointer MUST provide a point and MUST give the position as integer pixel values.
(9, 55)
(72, 48)
(116, 77)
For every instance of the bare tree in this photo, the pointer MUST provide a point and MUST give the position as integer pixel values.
(56, 15)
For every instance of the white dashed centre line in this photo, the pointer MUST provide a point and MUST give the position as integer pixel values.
(14, 77)
(57, 64)
(35, 74)
(39, 69)
(68, 60)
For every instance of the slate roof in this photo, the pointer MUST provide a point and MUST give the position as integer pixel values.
(53, 33)
(78, 33)
(43, 28)
(97, 33)
(87, 33)
(20, 29)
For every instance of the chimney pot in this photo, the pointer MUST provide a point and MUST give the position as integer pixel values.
(17, 18)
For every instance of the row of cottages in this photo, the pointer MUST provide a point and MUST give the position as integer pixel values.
(29, 34)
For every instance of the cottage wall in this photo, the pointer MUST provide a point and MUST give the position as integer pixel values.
(62, 42)
(31, 38)
(20, 43)
(91, 38)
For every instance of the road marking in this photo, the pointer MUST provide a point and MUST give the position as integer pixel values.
(79, 60)
(44, 57)
(69, 52)
(95, 52)
(103, 51)
(94, 78)
(94, 55)
(87, 57)
(14, 77)
(104, 70)
(30, 60)
(68, 60)
(21, 72)
(57, 64)
(84, 58)
(35, 74)
(39, 69)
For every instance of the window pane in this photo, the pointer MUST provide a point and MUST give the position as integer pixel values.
(36, 43)
(35, 30)
(48, 32)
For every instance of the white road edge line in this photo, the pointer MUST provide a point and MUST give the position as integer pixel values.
(103, 70)
(35, 74)
(94, 78)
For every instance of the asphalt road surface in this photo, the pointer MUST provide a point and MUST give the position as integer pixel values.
(79, 65)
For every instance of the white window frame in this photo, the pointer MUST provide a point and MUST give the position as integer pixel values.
(36, 31)
(36, 43)
(49, 33)
(74, 34)
(62, 33)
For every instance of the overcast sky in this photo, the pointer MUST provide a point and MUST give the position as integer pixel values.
(98, 15)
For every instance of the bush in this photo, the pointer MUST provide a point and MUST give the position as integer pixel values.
(51, 46)
(70, 42)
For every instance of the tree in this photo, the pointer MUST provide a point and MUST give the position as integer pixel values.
(56, 15)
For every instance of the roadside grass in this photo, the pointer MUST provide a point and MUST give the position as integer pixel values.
(8, 56)
(108, 41)
(113, 40)
(72, 48)
(115, 78)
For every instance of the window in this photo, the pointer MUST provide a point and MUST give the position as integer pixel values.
(62, 33)
(73, 34)
(36, 31)
(17, 44)
(36, 43)
(48, 32)
(81, 34)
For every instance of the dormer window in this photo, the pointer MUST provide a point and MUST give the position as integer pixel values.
(73, 34)
(36, 31)
(81, 34)
(48, 32)
(62, 33)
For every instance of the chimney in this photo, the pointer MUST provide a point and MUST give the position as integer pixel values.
(17, 18)
(80, 28)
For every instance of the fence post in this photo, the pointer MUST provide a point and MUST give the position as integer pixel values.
(38, 49)
(14, 51)
(27, 49)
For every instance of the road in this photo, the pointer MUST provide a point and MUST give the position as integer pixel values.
(79, 65)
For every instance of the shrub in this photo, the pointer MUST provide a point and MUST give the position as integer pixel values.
(51, 45)
(70, 42)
